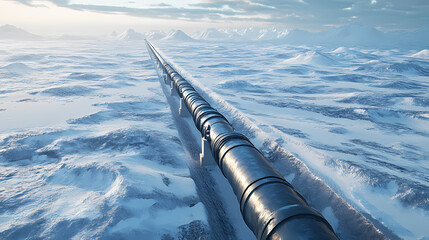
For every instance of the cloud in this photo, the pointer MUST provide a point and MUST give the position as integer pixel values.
(161, 5)
(308, 14)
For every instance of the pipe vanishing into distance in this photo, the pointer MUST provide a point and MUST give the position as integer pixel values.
(270, 206)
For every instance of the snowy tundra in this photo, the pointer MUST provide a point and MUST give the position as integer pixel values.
(91, 148)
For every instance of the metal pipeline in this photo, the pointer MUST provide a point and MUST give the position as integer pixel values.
(270, 206)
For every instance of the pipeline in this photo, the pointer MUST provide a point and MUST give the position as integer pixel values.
(270, 206)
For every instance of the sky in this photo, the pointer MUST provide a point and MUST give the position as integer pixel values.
(94, 17)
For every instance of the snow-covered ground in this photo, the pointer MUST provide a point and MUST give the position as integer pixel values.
(358, 118)
(90, 149)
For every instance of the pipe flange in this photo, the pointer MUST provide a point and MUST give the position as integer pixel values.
(286, 213)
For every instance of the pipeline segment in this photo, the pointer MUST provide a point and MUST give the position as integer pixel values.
(270, 206)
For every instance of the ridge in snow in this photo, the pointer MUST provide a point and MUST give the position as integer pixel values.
(311, 58)
(17, 68)
(342, 50)
(422, 54)
(342, 53)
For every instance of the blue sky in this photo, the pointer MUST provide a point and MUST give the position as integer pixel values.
(193, 15)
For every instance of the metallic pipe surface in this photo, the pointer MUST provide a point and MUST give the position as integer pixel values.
(270, 206)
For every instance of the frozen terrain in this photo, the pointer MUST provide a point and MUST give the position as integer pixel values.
(90, 149)
(357, 118)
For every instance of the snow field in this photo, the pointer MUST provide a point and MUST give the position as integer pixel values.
(88, 148)
(359, 125)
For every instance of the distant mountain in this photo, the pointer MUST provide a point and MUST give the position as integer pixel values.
(14, 33)
(250, 34)
(358, 35)
(271, 34)
(411, 39)
(130, 35)
(212, 34)
(298, 36)
(352, 33)
(233, 34)
(348, 35)
(155, 35)
(178, 35)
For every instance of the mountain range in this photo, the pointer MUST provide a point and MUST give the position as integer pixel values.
(352, 35)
